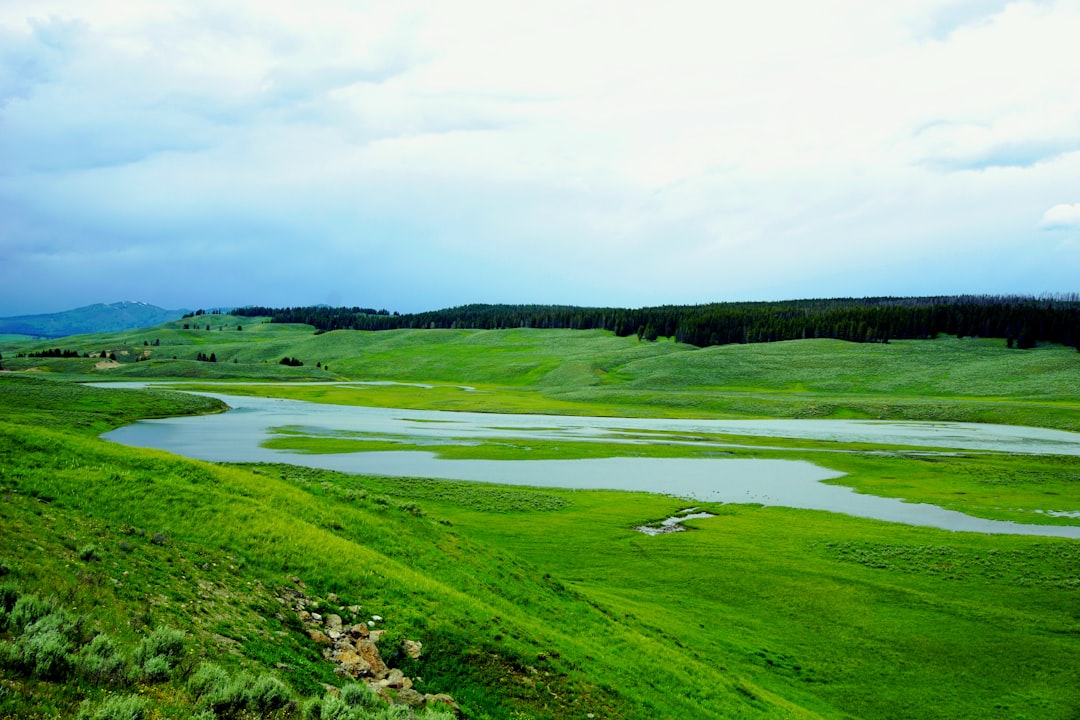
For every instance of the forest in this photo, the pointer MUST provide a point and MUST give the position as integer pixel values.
(1021, 321)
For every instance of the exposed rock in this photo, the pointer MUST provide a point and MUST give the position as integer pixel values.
(396, 679)
(353, 651)
(333, 598)
(442, 698)
(408, 696)
(350, 663)
(368, 651)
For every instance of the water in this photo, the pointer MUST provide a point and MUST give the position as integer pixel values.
(236, 436)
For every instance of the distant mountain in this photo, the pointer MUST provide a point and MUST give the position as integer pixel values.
(90, 319)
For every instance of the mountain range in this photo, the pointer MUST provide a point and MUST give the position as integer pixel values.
(96, 318)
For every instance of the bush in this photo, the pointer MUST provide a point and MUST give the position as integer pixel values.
(361, 696)
(27, 610)
(156, 669)
(88, 553)
(119, 707)
(212, 687)
(268, 694)
(46, 653)
(47, 644)
(162, 642)
(157, 653)
(208, 679)
(10, 655)
(9, 594)
(100, 662)
(329, 707)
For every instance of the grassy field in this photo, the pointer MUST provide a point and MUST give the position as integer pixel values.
(547, 603)
(593, 372)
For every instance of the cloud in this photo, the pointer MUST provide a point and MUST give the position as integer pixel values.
(1061, 217)
(454, 152)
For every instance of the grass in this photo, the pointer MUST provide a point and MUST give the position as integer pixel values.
(546, 603)
(594, 372)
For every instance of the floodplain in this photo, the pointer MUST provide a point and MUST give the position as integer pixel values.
(547, 602)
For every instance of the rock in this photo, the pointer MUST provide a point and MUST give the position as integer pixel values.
(334, 634)
(370, 653)
(376, 635)
(316, 617)
(332, 597)
(359, 630)
(351, 663)
(333, 622)
(408, 696)
(354, 609)
(395, 679)
(412, 648)
(442, 698)
(318, 637)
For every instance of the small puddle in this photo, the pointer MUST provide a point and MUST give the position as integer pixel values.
(674, 523)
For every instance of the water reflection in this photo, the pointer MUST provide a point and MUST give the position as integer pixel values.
(236, 436)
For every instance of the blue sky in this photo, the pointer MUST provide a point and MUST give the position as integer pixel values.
(418, 155)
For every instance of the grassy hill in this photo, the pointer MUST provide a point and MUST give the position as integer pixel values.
(594, 372)
(528, 602)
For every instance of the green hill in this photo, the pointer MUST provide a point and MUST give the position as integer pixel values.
(527, 602)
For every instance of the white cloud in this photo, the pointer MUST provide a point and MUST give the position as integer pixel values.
(794, 140)
(1061, 217)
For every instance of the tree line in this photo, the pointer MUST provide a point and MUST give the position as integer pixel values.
(1020, 320)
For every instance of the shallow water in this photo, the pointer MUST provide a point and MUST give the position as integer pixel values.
(236, 436)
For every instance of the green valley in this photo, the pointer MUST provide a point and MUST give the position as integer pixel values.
(529, 602)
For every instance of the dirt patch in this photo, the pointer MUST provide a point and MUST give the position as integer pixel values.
(106, 364)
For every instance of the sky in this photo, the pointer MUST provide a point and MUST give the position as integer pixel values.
(414, 155)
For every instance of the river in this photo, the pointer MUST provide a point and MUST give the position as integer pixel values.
(237, 435)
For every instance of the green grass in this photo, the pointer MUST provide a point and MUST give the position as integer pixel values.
(594, 372)
(546, 603)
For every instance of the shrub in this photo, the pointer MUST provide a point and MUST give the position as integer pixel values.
(119, 707)
(100, 662)
(156, 669)
(88, 553)
(46, 644)
(6, 567)
(361, 696)
(208, 679)
(10, 655)
(46, 653)
(27, 610)
(328, 707)
(268, 694)
(9, 594)
(212, 687)
(157, 653)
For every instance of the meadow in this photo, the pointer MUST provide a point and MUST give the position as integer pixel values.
(547, 603)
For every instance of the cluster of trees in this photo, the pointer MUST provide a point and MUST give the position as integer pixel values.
(1020, 320)
(202, 357)
(55, 353)
(291, 362)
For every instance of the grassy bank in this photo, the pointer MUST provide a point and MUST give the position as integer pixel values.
(759, 612)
